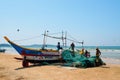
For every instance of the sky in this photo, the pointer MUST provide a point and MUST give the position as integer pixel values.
(96, 22)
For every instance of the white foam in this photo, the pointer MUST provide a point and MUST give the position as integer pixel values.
(111, 60)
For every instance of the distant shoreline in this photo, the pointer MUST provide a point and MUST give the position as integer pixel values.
(50, 45)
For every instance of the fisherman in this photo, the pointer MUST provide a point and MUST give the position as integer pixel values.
(72, 46)
(58, 46)
(25, 62)
(87, 54)
(98, 60)
(98, 52)
(82, 51)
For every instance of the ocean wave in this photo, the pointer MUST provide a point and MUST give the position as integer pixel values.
(111, 60)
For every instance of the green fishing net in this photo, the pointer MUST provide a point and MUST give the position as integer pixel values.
(75, 59)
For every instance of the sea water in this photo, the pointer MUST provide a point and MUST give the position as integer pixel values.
(109, 54)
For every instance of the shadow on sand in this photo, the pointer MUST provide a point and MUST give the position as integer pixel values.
(105, 67)
(56, 64)
(36, 65)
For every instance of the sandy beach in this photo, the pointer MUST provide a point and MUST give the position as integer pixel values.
(11, 69)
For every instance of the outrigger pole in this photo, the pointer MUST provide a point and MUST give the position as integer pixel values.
(44, 39)
(64, 39)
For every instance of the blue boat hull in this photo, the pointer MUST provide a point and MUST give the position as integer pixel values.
(36, 56)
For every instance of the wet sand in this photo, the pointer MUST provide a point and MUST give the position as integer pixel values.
(11, 69)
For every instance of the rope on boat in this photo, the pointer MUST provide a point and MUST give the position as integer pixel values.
(28, 38)
(62, 38)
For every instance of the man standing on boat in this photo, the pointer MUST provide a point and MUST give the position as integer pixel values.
(58, 46)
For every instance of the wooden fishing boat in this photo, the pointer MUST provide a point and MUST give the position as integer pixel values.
(39, 55)
(35, 55)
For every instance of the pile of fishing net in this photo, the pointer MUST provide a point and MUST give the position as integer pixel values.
(75, 59)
